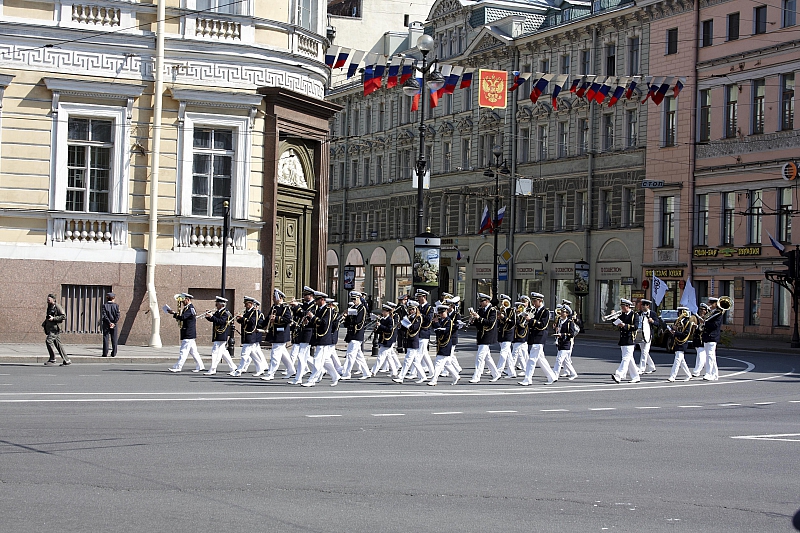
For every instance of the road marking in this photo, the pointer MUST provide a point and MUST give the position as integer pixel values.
(794, 401)
(647, 407)
(450, 413)
(501, 411)
(5, 374)
(88, 375)
(785, 437)
(554, 410)
(322, 416)
(388, 414)
(688, 406)
(763, 403)
(603, 409)
(729, 404)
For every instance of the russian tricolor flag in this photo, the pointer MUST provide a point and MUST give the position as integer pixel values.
(539, 87)
(603, 91)
(661, 91)
(616, 95)
(466, 80)
(519, 79)
(500, 214)
(652, 87)
(407, 71)
(330, 56)
(452, 80)
(341, 58)
(355, 61)
(486, 221)
(575, 84)
(415, 99)
(630, 89)
(678, 87)
(585, 84)
(558, 84)
(394, 70)
(593, 88)
(445, 72)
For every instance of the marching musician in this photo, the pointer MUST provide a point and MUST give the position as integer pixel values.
(485, 321)
(519, 348)
(187, 320)
(700, 362)
(252, 323)
(646, 321)
(411, 326)
(682, 332)
(305, 332)
(221, 329)
(506, 318)
(455, 316)
(385, 336)
(428, 314)
(322, 321)
(279, 332)
(627, 326)
(565, 332)
(444, 327)
(537, 336)
(356, 322)
(400, 312)
(711, 333)
(336, 326)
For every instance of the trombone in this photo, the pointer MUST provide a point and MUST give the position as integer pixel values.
(723, 304)
(612, 316)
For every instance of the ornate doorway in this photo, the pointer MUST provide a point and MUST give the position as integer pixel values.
(287, 253)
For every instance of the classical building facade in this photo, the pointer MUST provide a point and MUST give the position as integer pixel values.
(577, 167)
(721, 150)
(244, 121)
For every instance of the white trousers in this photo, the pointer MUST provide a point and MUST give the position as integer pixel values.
(301, 362)
(627, 364)
(355, 357)
(323, 362)
(712, 372)
(679, 364)
(427, 364)
(279, 354)
(189, 346)
(519, 354)
(645, 361)
(385, 358)
(444, 362)
(506, 358)
(536, 357)
(252, 352)
(413, 358)
(483, 357)
(218, 353)
(564, 359)
(700, 363)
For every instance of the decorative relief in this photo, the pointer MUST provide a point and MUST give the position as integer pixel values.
(488, 41)
(446, 6)
(290, 170)
(756, 143)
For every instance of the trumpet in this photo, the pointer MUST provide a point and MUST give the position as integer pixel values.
(205, 313)
(612, 316)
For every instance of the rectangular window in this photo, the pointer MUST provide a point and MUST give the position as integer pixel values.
(381, 116)
(354, 182)
(447, 156)
(759, 20)
(754, 299)
(565, 64)
(606, 200)
(448, 104)
(731, 109)
(728, 207)
(787, 101)
(668, 221)
(466, 99)
(82, 305)
(586, 62)
(789, 8)
(705, 115)
(367, 172)
(379, 169)
(706, 33)
(670, 112)
(628, 206)
(341, 179)
(783, 306)
(611, 59)
(785, 214)
(226, 7)
(545, 68)
(580, 209)
(331, 177)
(633, 56)
(466, 153)
(524, 145)
(672, 41)
(212, 166)
(701, 233)
(542, 139)
(563, 134)
(368, 120)
(539, 213)
(561, 211)
(631, 116)
(754, 213)
(583, 135)
(608, 132)
(733, 26)
(306, 12)
(356, 130)
(759, 87)
(90, 148)
(392, 114)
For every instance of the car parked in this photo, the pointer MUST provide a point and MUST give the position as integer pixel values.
(662, 334)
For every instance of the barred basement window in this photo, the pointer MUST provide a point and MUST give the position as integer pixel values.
(82, 304)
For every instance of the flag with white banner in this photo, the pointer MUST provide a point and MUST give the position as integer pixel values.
(659, 289)
(689, 296)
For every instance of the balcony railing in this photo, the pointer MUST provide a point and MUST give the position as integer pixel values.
(219, 29)
(89, 228)
(207, 235)
(95, 15)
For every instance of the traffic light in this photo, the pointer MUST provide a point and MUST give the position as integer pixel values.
(791, 263)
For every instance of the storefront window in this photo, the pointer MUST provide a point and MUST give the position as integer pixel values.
(562, 290)
(726, 289)
(670, 300)
(402, 280)
(333, 280)
(527, 286)
(783, 306)
(610, 293)
(361, 273)
(754, 303)
(378, 286)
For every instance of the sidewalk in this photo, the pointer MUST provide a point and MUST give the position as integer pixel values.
(127, 354)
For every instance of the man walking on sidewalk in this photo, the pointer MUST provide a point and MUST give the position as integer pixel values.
(109, 315)
(54, 317)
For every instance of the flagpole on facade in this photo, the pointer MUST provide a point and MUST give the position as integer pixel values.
(497, 151)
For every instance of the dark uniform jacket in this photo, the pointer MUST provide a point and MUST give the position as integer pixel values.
(537, 326)
(188, 322)
(426, 311)
(567, 331)
(487, 325)
(626, 329)
(444, 329)
(507, 325)
(455, 316)
(712, 329)
(109, 314)
(221, 318)
(410, 334)
(356, 324)
(520, 328)
(306, 331)
(250, 324)
(280, 332)
(53, 326)
(322, 326)
(337, 319)
(386, 331)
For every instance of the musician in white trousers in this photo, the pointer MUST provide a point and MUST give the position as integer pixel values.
(356, 324)
(682, 333)
(222, 328)
(324, 340)
(279, 332)
(646, 322)
(485, 321)
(252, 323)
(412, 325)
(565, 335)
(444, 328)
(305, 332)
(626, 324)
(700, 362)
(385, 335)
(712, 329)
(537, 336)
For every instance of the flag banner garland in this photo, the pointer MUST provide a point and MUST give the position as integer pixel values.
(445, 72)
(355, 61)
(330, 56)
(394, 70)
(341, 58)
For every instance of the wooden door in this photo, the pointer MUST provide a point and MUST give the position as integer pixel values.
(287, 248)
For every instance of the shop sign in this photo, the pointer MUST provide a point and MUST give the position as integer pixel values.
(613, 270)
(744, 251)
(738, 287)
(637, 295)
(563, 271)
(502, 272)
(349, 278)
(527, 270)
(665, 273)
(482, 271)
(627, 281)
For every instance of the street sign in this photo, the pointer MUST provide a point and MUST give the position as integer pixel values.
(502, 272)
(506, 255)
(789, 171)
(652, 184)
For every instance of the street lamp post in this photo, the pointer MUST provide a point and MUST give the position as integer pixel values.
(411, 87)
(497, 151)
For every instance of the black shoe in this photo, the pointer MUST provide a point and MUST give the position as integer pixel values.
(104, 355)
(67, 362)
(49, 363)
(615, 378)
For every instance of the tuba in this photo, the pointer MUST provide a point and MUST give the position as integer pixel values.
(684, 330)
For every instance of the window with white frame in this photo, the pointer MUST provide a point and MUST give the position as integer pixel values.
(447, 156)
(628, 206)
(226, 7)
(354, 181)
(466, 153)
(306, 14)
(667, 221)
(611, 59)
(701, 233)
(539, 213)
(631, 138)
(581, 217)
(754, 215)
(368, 120)
(367, 173)
(757, 120)
(381, 116)
(89, 159)
(670, 120)
(605, 208)
(542, 143)
(608, 132)
(728, 207)
(561, 211)
(466, 99)
(785, 214)
(212, 167)
(379, 169)
(583, 135)
(524, 145)
(633, 56)
(563, 133)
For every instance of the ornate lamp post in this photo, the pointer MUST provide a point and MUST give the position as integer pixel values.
(497, 151)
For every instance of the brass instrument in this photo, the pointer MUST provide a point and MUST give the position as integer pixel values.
(684, 329)
(723, 304)
(612, 316)
(206, 313)
(180, 298)
(505, 304)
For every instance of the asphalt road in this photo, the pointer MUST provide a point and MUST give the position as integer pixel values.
(109, 447)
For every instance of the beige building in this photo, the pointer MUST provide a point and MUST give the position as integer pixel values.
(243, 120)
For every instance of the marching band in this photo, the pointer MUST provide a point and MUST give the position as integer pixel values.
(311, 327)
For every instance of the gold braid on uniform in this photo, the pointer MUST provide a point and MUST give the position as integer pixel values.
(246, 319)
(221, 329)
(408, 330)
(449, 336)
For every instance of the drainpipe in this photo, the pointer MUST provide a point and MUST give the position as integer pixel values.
(587, 232)
(693, 140)
(152, 243)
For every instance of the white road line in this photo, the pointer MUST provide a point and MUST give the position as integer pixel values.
(647, 407)
(554, 410)
(729, 404)
(450, 413)
(501, 411)
(785, 437)
(322, 416)
(688, 406)
(388, 414)
(763, 403)
(603, 409)
(794, 401)
(5, 374)
(88, 375)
